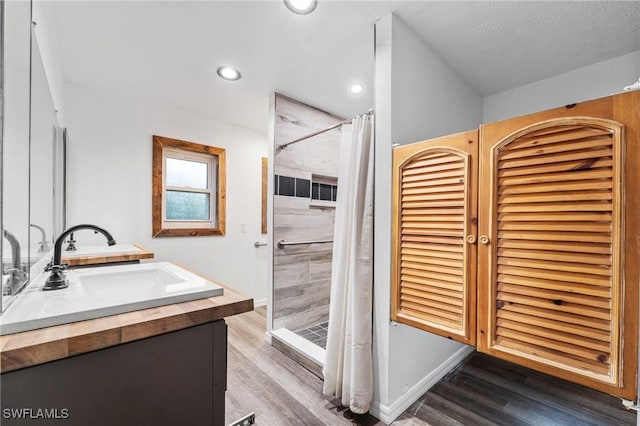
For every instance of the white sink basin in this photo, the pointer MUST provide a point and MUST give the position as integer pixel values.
(103, 291)
(100, 250)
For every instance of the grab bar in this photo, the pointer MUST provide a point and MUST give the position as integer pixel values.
(283, 243)
(259, 244)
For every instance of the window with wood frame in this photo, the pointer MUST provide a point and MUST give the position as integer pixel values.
(188, 188)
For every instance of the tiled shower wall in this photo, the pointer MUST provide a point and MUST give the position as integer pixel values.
(302, 274)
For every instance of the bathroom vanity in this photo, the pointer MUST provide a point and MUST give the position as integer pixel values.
(160, 366)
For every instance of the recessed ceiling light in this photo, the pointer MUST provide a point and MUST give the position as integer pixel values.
(301, 7)
(228, 73)
(356, 89)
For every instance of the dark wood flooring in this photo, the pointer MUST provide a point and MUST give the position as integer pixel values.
(489, 391)
(481, 391)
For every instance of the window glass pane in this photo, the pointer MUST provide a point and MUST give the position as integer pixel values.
(325, 192)
(187, 206)
(186, 173)
(287, 186)
(303, 188)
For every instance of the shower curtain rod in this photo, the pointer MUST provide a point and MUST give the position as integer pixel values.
(319, 132)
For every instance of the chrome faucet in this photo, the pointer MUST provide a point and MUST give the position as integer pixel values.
(57, 279)
(17, 276)
(44, 244)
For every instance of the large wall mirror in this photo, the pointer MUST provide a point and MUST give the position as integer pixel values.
(16, 29)
(33, 154)
(47, 141)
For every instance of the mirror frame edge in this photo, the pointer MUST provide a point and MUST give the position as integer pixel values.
(2, 29)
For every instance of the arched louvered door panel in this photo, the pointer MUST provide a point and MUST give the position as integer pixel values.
(434, 232)
(551, 291)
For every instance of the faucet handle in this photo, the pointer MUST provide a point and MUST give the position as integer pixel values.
(44, 246)
(51, 267)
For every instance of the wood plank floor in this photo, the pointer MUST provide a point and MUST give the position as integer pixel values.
(489, 391)
(482, 391)
(281, 392)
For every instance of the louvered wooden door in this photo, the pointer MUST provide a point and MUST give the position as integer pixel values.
(558, 280)
(434, 233)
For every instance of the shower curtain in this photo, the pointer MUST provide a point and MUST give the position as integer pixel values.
(347, 368)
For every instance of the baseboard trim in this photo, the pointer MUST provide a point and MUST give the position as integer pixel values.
(259, 302)
(389, 413)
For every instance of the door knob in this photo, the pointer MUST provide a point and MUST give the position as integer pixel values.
(484, 239)
(471, 239)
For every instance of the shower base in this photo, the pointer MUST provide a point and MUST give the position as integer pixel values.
(301, 350)
(316, 334)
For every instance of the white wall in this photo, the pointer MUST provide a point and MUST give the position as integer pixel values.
(110, 182)
(382, 218)
(591, 82)
(418, 97)
(46, 35)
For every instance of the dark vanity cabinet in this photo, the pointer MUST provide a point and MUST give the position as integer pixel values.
(176, 378)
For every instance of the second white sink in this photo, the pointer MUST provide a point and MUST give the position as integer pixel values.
(100, 250)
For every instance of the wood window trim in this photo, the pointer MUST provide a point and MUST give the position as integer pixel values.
(263, 213)
(159, 144)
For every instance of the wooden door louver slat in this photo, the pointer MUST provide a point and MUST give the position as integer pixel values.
(453, 166)
(554, 293)
(557, 245)
(433, 284)
(431, 260)
(556, 255)
(540, 139)
(434, 189)
(574, 146)
(557, 158)
(550, 324)
(550, 284)
(559, 216)
(600, 158)
(532, 312)
(446, 251)
(557, 236)
(576, 206)
(583, 343)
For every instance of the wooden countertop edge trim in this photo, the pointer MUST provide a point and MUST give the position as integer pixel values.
(97, 260)
(29, 348)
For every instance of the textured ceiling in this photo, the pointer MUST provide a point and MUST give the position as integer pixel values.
(496, 46)
(168, 51)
